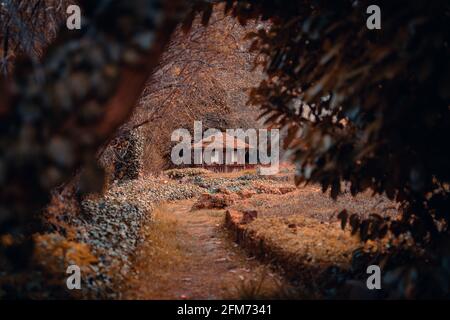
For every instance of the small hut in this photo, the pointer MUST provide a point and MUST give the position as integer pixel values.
(221, 146)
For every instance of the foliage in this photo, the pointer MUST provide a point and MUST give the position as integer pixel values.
(188, 172)
(370, 107)
(128, 149)
(54, 117)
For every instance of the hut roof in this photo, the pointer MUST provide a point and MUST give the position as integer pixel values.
(229, 142)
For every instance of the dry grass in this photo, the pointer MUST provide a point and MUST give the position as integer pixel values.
(188, 255)
(309, 201)
(304, 248)
(306, 240)
(263, 285)
(157, 257)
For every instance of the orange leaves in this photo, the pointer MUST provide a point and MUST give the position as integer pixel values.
(54, 253)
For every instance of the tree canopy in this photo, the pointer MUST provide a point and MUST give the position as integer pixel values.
(378, 100)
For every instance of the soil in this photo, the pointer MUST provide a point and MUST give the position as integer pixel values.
(201, 261)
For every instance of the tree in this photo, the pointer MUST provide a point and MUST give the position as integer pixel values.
(26, 28)
(378, 100)
(54, 116)
(369, 108)
(204, 74)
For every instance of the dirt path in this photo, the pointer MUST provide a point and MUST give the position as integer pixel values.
(189, 255)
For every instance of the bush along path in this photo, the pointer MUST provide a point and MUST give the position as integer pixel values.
(101, 237)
